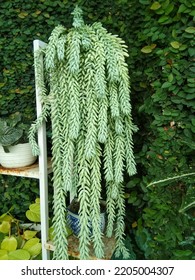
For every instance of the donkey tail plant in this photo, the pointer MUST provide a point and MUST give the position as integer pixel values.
(90, 110)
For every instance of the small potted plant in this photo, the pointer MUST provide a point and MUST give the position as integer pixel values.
(15, 150)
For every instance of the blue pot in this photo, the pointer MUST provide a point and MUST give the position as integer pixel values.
(73, 221)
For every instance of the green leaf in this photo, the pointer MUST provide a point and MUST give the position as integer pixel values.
(155, 6)
(29, 234)
(9, 243)
(33, 216)
(190, 29)
(5, 217)
(182, 8)
(35, 208)
(166, 85)
(148, 49)
(10, 136)
(193, 121)
(33, 246)
(5, 227)
(175, 44)
(182, 253)
(163, 19)
(170, 78)
(19, 254)
(3, 255)
(23, 15)
(191, 51)
(169, 9)
(192, 13)
(189, 200)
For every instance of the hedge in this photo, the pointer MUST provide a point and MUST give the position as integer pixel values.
(160, 37)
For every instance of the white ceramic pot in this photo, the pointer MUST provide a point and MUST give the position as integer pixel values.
(19, 156)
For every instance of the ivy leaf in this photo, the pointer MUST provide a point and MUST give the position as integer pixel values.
(155, 6)
(192, 13)
(163, 19)
(175, 44)
(190, 29)
(170, 78)
(148, 49)
(166, 85)
(23, 15)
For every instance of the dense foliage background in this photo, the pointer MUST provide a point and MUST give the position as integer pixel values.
(161, 39)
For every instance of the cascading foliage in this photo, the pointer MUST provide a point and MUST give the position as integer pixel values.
(89, 104)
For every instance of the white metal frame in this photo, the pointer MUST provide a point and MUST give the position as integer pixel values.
(43, 172)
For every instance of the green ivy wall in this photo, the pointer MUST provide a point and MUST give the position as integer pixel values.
(161, 39)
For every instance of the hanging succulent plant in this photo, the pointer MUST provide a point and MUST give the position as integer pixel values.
(89, 105)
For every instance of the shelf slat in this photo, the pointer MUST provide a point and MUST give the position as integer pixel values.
(31, 171)
(73, 247)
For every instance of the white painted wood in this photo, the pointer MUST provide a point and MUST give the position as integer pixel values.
(31, 171)
(43, 176)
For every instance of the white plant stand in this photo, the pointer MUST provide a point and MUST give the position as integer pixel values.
(40, 171)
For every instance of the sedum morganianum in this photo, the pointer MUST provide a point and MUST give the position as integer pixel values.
(89, 105)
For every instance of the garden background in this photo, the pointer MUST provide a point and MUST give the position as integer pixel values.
(160, 36)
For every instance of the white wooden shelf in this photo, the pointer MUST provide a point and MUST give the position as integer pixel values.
(32, 171)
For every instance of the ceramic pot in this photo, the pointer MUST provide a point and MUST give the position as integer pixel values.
(73, 220)
(19, 156)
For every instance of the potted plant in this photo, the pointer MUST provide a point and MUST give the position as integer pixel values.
(73, 218)
(88, 100)
(15, 150)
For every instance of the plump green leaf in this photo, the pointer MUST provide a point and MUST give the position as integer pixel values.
(19, 254)
(9, 243)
